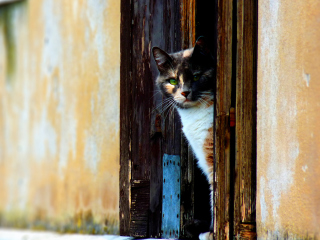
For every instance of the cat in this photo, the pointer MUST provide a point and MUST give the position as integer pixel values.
(187, 79)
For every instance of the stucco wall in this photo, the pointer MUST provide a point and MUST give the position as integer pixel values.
(288, 130)
(59, 115)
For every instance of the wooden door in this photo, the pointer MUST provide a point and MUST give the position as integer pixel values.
(148, 134)
(235, 143)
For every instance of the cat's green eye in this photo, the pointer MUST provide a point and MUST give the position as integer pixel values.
(173, 81)
(196, 77)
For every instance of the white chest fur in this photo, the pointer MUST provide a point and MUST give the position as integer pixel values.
(196, 123)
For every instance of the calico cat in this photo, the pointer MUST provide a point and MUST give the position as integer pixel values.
(187, 78)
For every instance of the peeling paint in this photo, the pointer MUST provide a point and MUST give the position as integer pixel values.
(306, 78)
(304, 168)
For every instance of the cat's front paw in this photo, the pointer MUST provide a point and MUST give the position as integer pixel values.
(206, 236)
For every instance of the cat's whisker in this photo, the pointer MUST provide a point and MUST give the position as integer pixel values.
(172, 106)
(202, 102)
(161, 107)
(162, 104)
(172, 110)
(155, 93)
(167, 106)
(204, 98)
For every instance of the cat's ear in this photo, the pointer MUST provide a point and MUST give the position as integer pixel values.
(201, 48)
(163, 60)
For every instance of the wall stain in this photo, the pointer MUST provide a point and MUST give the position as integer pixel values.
(288, 136)
(60, 59)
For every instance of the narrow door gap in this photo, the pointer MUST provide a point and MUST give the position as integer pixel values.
(206, 25)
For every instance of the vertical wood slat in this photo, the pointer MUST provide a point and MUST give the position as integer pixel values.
(239, 120)
(245, 168)
(141, 90)
(187, 12)
(222, 134)
(125, 117)
(146, 164)
(188, 21)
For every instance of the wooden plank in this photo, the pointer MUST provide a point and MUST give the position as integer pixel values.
(187, 13)
(125, 117)
(141, 91)
(245, 168)
(239, 120)
(140, 200)
(222, 134)
(146, 123)
(188, 23)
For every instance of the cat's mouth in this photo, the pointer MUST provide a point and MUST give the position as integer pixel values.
(188, 104)
(203, 101)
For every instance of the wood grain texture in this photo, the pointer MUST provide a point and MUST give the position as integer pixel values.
(146, 131)
(245, 168)
(188, 23)
(187, 12)
(222, 133)
(139, 210)
(125, 117)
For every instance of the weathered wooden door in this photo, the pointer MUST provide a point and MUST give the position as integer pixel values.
(235, 144)
(148, 133)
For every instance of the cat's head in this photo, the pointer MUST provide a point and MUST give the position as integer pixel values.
(186, 76)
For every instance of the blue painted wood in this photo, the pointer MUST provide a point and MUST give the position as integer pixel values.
(171, 197)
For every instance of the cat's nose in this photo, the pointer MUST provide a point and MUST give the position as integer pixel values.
(185, 94)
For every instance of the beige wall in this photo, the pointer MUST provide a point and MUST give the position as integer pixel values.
(288, 131)
(59, 114)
